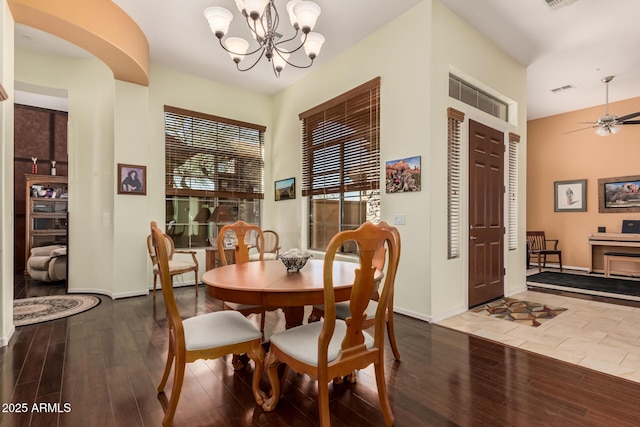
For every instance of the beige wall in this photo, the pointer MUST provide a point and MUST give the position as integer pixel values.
(413, 56)
(555, 155)
(112, 121)
(6, 176)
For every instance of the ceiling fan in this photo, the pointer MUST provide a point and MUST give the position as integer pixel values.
(609, 123)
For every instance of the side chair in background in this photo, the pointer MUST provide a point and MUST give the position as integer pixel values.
(176, 266)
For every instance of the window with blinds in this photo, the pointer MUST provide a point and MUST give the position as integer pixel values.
(210, 162)
(513, 190)
(213, 156)
(341, 162)
(455, 120)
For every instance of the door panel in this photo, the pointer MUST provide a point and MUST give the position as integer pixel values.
(486, 213)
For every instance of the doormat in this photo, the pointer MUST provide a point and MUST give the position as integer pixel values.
(27, 311)
(519, 311)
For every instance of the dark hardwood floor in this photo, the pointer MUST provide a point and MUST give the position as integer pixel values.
(105, 365)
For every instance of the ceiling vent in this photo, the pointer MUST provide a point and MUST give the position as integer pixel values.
(562, 88)
(555, 4)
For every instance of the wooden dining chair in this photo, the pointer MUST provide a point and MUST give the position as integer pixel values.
(538, 244)
(241, 252)
(342, 308)
(334, 347)
(207, 336)
(271, 244)
(176, 266)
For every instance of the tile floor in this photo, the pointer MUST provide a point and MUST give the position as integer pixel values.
(596, 335)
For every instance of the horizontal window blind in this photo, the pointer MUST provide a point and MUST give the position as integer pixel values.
(209, 156)
(341, 143)
(513, 190)
(455, 119)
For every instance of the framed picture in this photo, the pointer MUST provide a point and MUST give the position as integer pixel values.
(403, 175)
(132, 179)
(285, 189)
(619, 194)
(570, 196)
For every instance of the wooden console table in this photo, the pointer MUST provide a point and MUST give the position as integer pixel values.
(614, 242)
(212, 257)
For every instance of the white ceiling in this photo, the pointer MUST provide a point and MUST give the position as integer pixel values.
(576, 44)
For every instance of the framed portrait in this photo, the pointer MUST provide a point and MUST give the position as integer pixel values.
(620, 194)
(285, 189)
(132, 179)
(570, 196)
(403, 175)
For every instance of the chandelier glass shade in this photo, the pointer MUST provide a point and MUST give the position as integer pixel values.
(263, 20)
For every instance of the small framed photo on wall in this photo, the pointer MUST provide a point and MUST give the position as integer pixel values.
(570, 196)
(285, 189)
(132, 179)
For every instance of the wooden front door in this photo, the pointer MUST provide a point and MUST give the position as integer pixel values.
(486, 213)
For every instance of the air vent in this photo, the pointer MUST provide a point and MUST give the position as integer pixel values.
(563, 88)
(555, 4)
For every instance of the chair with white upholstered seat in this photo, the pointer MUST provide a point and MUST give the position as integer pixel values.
(241, 229)
(177, 265)
(207, 336)
(342, 308)
(333, 347)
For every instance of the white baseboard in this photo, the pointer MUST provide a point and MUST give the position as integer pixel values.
(4, 341)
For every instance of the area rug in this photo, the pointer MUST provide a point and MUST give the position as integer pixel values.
(519, 311)
(587, 284)
(28, 311)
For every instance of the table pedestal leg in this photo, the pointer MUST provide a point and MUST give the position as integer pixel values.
(293, 316)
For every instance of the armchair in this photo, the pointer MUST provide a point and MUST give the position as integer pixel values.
(48, 263)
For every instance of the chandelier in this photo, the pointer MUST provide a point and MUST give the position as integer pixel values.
(263, 19)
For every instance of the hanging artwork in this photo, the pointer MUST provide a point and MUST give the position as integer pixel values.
(403, 175)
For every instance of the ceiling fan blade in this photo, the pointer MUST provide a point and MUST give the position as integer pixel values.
(578, 130)
(630, 122)
(628, 116)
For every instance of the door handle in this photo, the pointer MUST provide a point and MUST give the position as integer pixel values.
(473, 238)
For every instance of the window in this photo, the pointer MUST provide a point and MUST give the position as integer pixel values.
(210, 162)
(471, 95)
(455, 119)
(341, 163)
(513, 190)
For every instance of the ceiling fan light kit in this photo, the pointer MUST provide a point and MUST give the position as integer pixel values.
(609, 123)
(263, 19)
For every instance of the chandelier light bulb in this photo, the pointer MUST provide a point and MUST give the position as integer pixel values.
(255, 8)
(237, 48)
(240, 6)
(219, 19)
(602, 131)
(614, 129)
(292, 16)
(313, 44)
(307, 13)
(280, 61)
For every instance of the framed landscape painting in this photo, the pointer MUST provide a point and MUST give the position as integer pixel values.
(620, 194)
(285, 189)
(403, 175)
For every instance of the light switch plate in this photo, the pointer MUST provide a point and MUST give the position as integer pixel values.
(399, 219)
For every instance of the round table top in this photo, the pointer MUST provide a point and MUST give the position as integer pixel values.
(268, 283)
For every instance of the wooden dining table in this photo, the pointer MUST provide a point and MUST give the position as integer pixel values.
(269, 284)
